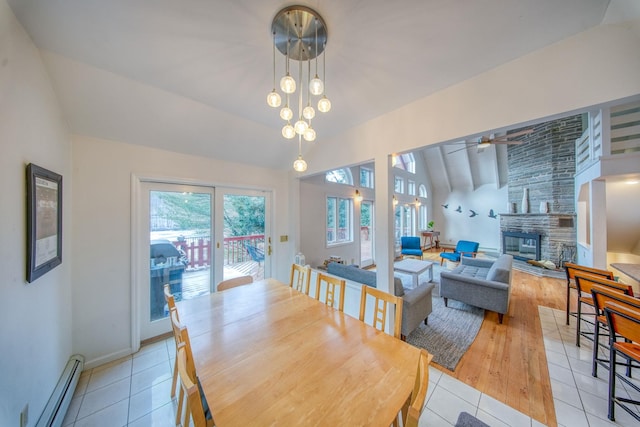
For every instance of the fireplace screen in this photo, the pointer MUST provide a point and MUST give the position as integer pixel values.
(523, 246)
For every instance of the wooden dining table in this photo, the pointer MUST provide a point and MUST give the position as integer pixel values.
(267, 354)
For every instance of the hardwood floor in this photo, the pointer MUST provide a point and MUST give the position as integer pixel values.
(508, 361)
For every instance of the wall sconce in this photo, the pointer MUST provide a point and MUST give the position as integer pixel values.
(358, 196)
(395, 201)
(418, 202)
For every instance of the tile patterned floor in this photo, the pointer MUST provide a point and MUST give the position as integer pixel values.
(134, 391)
(579, 398)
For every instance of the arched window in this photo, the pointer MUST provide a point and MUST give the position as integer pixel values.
(405, 162)
(340, 176)
(422, 191)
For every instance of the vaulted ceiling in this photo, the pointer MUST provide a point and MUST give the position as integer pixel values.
(192, 75)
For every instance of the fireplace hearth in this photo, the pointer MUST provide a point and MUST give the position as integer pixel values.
(522, 246)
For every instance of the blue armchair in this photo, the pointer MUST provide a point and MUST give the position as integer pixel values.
(410, 246)
(463, 248)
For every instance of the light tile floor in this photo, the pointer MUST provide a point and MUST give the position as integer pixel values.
(579, 398)
(134, 391)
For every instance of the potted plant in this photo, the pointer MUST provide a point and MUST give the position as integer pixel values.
(430, 225)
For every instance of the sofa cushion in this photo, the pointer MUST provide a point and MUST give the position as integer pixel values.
(471, 271)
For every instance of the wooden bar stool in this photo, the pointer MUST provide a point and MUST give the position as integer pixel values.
(571, 269)
(624, 324)
(601, 295)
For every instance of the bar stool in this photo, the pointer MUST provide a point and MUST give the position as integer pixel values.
(624, 323)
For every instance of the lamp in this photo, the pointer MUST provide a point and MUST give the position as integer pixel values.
(417, 202)
(299, 33)
(358, 196)
(299, 165)
(395, 201)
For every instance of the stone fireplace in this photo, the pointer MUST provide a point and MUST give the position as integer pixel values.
(543, 168)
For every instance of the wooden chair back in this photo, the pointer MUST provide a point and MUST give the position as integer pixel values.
(181, 336)
(232, 283)
(168, 297)
(190, 389)
(603, 294)
(586, 281)
(300, 278)
(419, 393)
(332, 283)
(624, 339)
(571, 270)
(382, 300)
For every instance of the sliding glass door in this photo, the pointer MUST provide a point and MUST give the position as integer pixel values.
(175, 238)
(192, 237)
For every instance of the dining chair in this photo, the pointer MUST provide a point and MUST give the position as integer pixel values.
(232, 283)
(601, 295)
(300, 277)
(168, 297)
(332, 283)
(181, 336)
(570, 270)
(196, 407)
(584, 282)
(415, 404)
(382, 300)
(624, 341)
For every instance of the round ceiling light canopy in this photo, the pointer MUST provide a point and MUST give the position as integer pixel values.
(295, 28)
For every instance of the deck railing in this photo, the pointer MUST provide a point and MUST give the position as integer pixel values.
(198, 249)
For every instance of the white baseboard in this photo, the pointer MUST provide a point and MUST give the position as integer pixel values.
(93, 363)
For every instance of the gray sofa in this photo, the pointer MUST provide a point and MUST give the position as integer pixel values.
(416, 304)
(479, 282)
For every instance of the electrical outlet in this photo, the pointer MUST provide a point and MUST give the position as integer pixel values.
(24, 416)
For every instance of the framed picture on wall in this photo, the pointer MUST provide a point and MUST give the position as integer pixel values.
(44, 221)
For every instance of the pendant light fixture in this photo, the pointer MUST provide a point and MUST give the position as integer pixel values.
(300, 34)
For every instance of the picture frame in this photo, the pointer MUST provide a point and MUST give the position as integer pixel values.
(44, 221)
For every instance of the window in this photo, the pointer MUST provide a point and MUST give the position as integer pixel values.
(399, 185)
(404, 222)
(340, 176)
(422, 213)
(411, 187)
(366, 177)
(422, 190)
(339, 220)
(405, 162)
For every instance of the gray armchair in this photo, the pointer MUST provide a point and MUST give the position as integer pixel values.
(480, 282)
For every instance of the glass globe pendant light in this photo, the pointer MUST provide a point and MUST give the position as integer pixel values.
(316, 86)
(300, 34)
(309, 134)
(324, 105)
(299, 165)
(273, 98)
(286, 113)
(288, 131)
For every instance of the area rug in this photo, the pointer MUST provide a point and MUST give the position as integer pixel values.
(449, 332)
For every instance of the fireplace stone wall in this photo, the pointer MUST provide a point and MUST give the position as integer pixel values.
(545, 165)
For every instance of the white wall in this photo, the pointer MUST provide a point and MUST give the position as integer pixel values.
(481, 228)
(35, 317)
(102, 230)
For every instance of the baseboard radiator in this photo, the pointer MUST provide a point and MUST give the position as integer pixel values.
(58, 403)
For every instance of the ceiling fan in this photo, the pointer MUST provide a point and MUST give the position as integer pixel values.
(486, 141)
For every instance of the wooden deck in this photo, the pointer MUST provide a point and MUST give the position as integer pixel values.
(196, 283)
